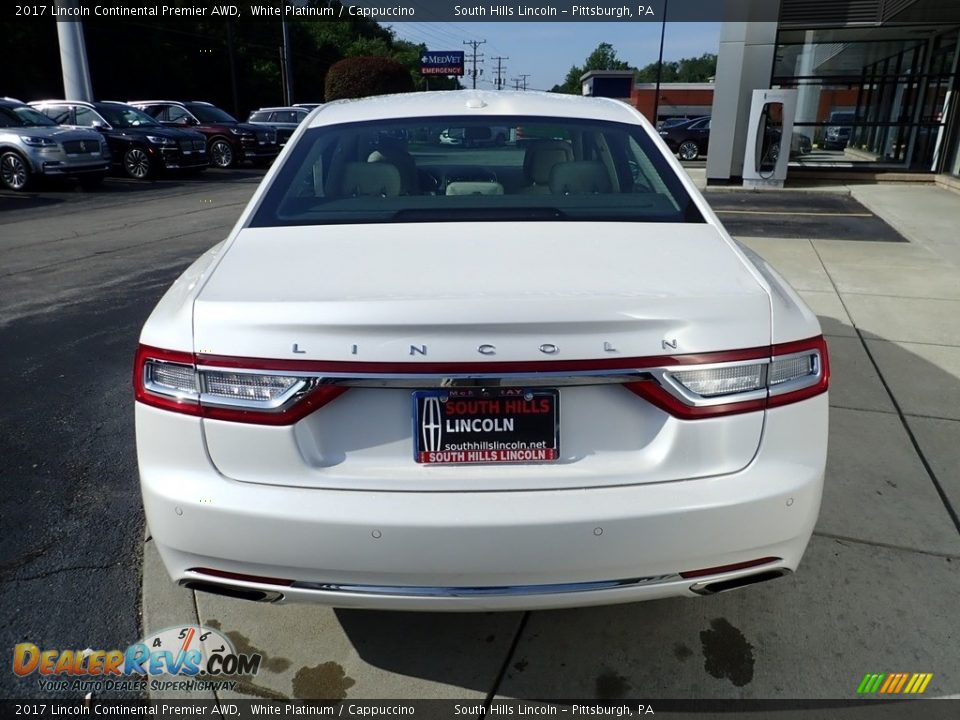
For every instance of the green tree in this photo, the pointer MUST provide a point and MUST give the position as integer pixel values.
(696, 69)
(604, 57)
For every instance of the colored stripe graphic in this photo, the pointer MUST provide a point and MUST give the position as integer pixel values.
(894, 683)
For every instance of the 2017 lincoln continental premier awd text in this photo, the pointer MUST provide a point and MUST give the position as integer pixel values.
(487, 375)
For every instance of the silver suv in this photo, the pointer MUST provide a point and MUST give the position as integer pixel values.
(32, 145)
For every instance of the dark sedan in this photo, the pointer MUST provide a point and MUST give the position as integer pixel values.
(690, 139)
(140, 146)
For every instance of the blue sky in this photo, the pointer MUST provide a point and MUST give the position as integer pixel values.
(545, 51)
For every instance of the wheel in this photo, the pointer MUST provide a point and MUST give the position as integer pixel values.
(688, 150)
(14, 171)
(221, 153)
(136, 163)
(90, 182)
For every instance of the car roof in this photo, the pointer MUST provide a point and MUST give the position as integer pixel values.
(480, 103)
(59, 101)
(169, 102)
(280, 108)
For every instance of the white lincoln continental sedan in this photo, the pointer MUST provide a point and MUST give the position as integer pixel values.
(496, 375)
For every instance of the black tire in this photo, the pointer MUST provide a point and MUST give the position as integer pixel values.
(137, 164)
(15, 173)
(688, 150)
(221, 153)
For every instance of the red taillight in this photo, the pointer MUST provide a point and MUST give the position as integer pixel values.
(241, 393)
(734, 383)
(281, 392)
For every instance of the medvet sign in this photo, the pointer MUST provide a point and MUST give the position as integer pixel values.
(442, 62)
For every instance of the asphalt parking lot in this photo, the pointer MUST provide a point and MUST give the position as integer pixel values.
(877, 591)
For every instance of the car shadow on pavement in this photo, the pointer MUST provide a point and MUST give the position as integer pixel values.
(886, 524)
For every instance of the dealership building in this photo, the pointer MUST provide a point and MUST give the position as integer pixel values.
(877, 81)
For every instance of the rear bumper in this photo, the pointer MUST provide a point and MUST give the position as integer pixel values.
(482, 550)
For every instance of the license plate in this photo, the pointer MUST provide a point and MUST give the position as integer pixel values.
(486, 425)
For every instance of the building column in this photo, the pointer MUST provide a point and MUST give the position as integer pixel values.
(744, 64)
(73, 57)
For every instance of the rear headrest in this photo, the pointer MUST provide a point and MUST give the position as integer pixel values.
(540, 158)
(377, 178)
(580, 177)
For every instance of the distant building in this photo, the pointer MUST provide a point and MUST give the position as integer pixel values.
(607, 83)
(676, 99)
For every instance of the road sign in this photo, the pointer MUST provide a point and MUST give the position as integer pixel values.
(442, 62)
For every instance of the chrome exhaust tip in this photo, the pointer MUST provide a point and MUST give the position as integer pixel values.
(232, 591)
(719, 586)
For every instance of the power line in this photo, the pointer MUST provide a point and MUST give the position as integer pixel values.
(500, 68)
(474, 57)
(523, 81)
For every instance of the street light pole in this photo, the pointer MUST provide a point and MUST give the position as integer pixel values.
(287, 66)
(656, 95)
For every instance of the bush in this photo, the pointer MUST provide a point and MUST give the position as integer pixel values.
(362, 76)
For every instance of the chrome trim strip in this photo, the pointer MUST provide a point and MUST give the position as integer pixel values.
(628, 374)
(495, 591)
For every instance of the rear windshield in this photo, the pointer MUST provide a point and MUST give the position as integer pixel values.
(460, 169)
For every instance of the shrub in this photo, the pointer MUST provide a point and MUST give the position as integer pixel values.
(362, 76)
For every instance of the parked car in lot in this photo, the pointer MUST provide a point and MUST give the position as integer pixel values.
(691, 139)
(229, 142)
(837, 134)
(139, 145)
(671, 122)
(415, 382)
(282, 119)
(33, 146)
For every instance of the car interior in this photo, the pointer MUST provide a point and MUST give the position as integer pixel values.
(370, 171)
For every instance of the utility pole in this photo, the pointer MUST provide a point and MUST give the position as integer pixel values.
(523, 80)
(474, 57)
(516, 83)
(286, 66)
(500, 79)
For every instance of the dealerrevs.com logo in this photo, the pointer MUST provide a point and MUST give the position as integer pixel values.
(188, 652)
